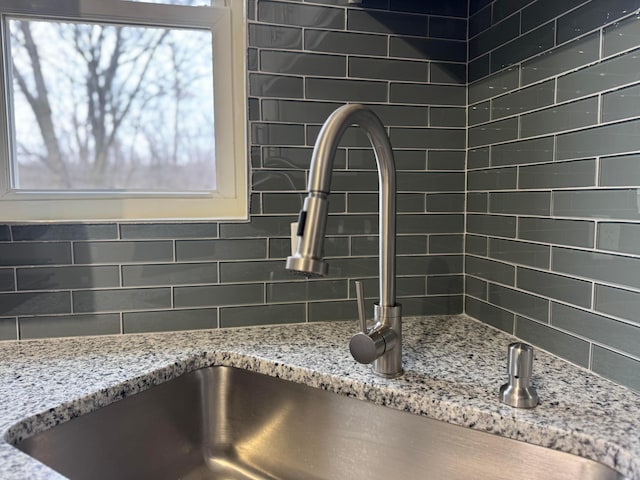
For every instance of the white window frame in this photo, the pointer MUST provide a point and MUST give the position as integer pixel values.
(227, 22)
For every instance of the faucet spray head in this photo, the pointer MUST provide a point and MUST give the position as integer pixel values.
(307, 260)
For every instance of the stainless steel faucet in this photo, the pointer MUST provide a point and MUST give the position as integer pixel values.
(382, 343)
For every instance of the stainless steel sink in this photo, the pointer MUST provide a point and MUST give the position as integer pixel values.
(231, 424)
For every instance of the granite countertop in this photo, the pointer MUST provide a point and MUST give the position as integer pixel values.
(454, 367)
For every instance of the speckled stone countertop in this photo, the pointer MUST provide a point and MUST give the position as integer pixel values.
(454, 367)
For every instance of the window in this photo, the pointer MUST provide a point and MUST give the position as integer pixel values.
(120, 109)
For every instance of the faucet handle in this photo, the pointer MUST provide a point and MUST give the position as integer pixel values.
(362, 316)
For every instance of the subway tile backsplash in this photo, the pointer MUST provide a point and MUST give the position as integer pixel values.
(553, 175)
(516, 133)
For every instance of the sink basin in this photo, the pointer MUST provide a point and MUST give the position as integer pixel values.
(231, 424)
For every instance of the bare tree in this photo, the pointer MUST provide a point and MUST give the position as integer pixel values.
(111, 88)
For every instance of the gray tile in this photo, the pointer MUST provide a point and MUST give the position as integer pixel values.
(431, 181)
(59, 278)
(478, 68)
(523, 47)
(476, 245)
(352, 224)
(7, 282)
(431, 48)
(378, 21)
(123, 251)
(253, 271)
(443, 160)
(48, 232)
(542, 11)
(291, 203)
(307, 290)
(262, 315)
(591, 16)
(611, 73)
(352, 181)
(538, 150)
(300, 15)
(402, 115)
(520, 203)
(446, 243)
(431, 94)
(620, 270)
(559, 343)
(445, 285)
(278, 180)
(621, 104)
(39, 303)
(478, 202)
(581, 173)
(346, 90)
(448, 117)
(295, 157)
(368, 245)
(414, 203)
(352, 137)
(35, 253)
(605, 140)
(430, 223)
(217, 295)
(452, 73)
(445, 9)
(8, 329)
(345, 42)
(367, 203)
(85, 301)
(69, 326)
(478, 158)
(569, 116)
(497, 34)
(433, 305)
(169, 274)
(557, 231)
(494, 85)
(267, 85)
(5, 233)
(494, 225)
(297, 63)
(490, 270)
(621, 36)
(504, 8)
(613, 204)
(492, 179)
(168, 230)
(490, 314)
(259, 227)
(429, 265)
(523, 253)
(523, 100)
(479, 113)
(619, 237)
(618, 302)
(277, 134)
(519, 302)
(388, 69)
(604, 330)
(332, 311)
(441, 27)
(298, 111)
(445, 202)
(476, 288)
(170, 320)
(558, 287)
(494, 132)
(273, 36)
(620, 369)
(620, 171)
(437, 138)
(479, 20)
(562, 59)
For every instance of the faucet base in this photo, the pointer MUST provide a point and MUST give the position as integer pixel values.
(389, 364)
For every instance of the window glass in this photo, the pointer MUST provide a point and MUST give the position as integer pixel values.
(111, 107)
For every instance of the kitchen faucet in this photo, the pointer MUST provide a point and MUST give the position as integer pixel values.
(382, 343)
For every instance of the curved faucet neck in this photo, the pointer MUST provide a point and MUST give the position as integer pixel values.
(320, 182)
